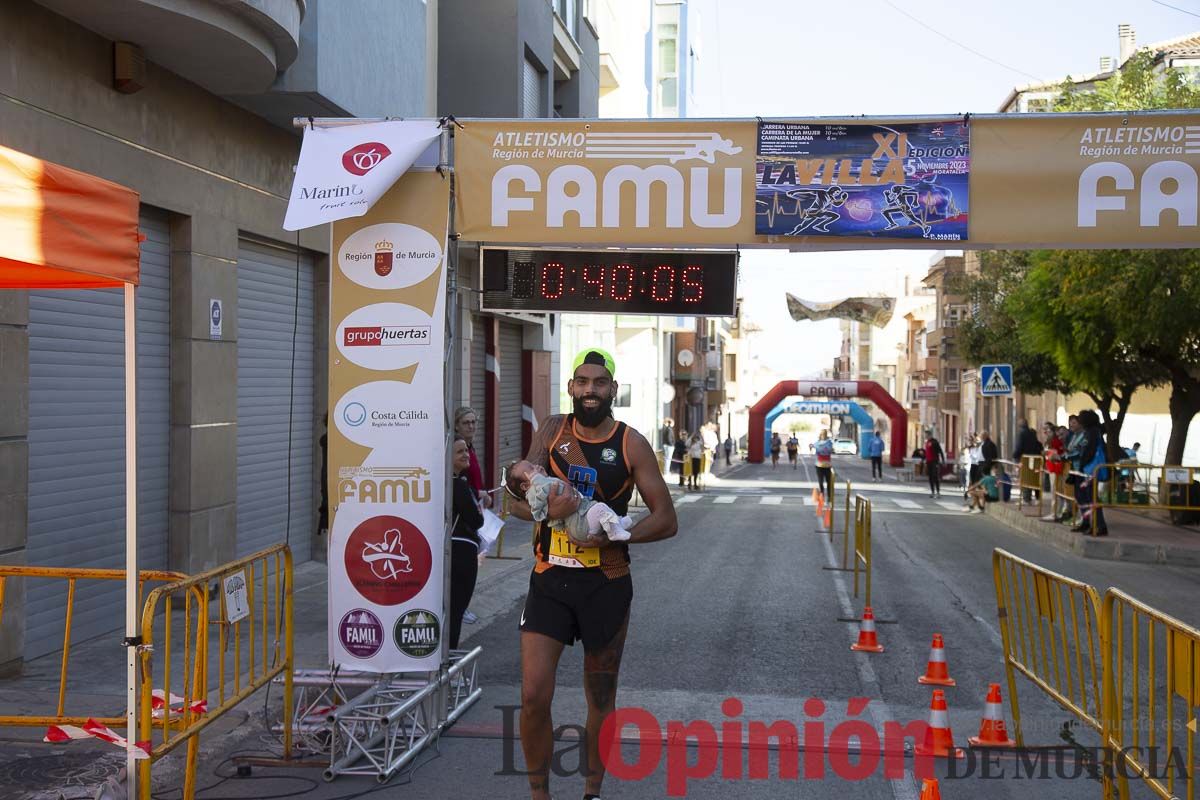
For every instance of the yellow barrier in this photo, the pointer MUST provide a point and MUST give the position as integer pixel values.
(1041, 613)
(71, 576)
(1030, 480)
(1146, 487)
(260, 633)
(862, 544)
(1166, 697)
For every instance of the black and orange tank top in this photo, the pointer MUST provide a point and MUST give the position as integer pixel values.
(600, 471)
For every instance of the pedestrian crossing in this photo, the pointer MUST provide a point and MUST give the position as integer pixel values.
(879, 501)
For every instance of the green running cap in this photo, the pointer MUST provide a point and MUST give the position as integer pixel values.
(594, 355)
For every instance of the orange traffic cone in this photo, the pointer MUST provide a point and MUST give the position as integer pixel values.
(815, 494)
(929, 790)
(939, 740)
(936, 671)
(992, 732)
(867, 641)
(828, 518)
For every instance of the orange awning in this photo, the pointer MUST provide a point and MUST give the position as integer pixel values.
(64, 229)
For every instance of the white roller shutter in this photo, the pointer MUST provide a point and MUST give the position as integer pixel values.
(267, 313)
(510, 392)
(77, 442)
(478, 384)
(533, 91)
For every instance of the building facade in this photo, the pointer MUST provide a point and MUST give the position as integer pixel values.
(191, 105)
(544, 61)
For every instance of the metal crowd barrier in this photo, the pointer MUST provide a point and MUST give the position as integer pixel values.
(258, 629)
(1030, 480)
(861, 561)
(1144, 713)
(1145, 486)
(72, 576)
(1051, 632)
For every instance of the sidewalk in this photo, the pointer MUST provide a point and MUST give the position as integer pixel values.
(1132, 536)
(31, 769)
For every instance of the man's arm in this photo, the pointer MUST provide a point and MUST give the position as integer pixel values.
(660, 523)
(562, 502)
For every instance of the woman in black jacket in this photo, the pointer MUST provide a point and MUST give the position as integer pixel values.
(464, 541)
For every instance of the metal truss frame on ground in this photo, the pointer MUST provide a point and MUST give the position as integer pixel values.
(372, 724)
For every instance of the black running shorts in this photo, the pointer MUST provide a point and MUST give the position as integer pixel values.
(569, 604)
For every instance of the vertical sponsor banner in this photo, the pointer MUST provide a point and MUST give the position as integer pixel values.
(387, 430)
(895, 181)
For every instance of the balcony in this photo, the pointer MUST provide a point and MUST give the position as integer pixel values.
(229, 47)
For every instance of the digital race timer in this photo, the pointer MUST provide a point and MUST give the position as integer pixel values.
(674, 283)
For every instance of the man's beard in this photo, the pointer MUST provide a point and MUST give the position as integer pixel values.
(592, 417)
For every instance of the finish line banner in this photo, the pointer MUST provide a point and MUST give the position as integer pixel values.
(387, 471)
(1033, 180)
(901, 181)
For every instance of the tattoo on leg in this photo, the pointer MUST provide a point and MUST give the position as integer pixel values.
(601, 688)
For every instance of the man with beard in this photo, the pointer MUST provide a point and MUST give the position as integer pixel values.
(578, 592)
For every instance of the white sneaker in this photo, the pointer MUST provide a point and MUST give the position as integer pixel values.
(977, 511)
(1048, 518)
(968, 509)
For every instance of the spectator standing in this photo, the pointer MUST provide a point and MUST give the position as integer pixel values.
(1052, 466)
(875, 451)
(678, 454)
(466, 422)
(696, 454)
(728, 450)
(934, 457)
(464, 540)
(1027, 445)
(988, 453)
(1092, 457)
(1071, 462)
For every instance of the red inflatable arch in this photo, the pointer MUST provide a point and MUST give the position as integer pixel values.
(830, 390)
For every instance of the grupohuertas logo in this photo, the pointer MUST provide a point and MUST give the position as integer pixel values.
(362, 158)
(418, 633)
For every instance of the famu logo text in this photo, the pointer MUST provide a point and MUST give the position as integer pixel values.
(384, 485)
(592, 196)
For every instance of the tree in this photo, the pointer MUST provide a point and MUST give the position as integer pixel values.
(1137, 86)
(1067, 301)
(992, 332)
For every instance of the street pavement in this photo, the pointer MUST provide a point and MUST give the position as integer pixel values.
(739, 605)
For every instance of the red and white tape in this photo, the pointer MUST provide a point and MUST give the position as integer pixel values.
(158, 703)
(94, 730)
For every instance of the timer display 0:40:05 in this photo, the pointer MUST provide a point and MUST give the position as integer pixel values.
(663, 283)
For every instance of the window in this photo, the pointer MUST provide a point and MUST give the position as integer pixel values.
(624, 396)
(566, 12)
(666, 65)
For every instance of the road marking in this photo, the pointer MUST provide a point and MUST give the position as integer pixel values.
(808, 501)
(949, 506)
(725, 499)
(688, 498)
(905, 789)
(905, 503)
(771, 500)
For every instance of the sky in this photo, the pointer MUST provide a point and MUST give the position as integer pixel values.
(801, 58)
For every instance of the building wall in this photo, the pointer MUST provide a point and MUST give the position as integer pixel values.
(222, 173)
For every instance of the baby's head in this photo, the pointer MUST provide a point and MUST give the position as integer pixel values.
(520, 475)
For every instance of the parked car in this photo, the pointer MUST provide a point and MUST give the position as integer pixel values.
(845, 447)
